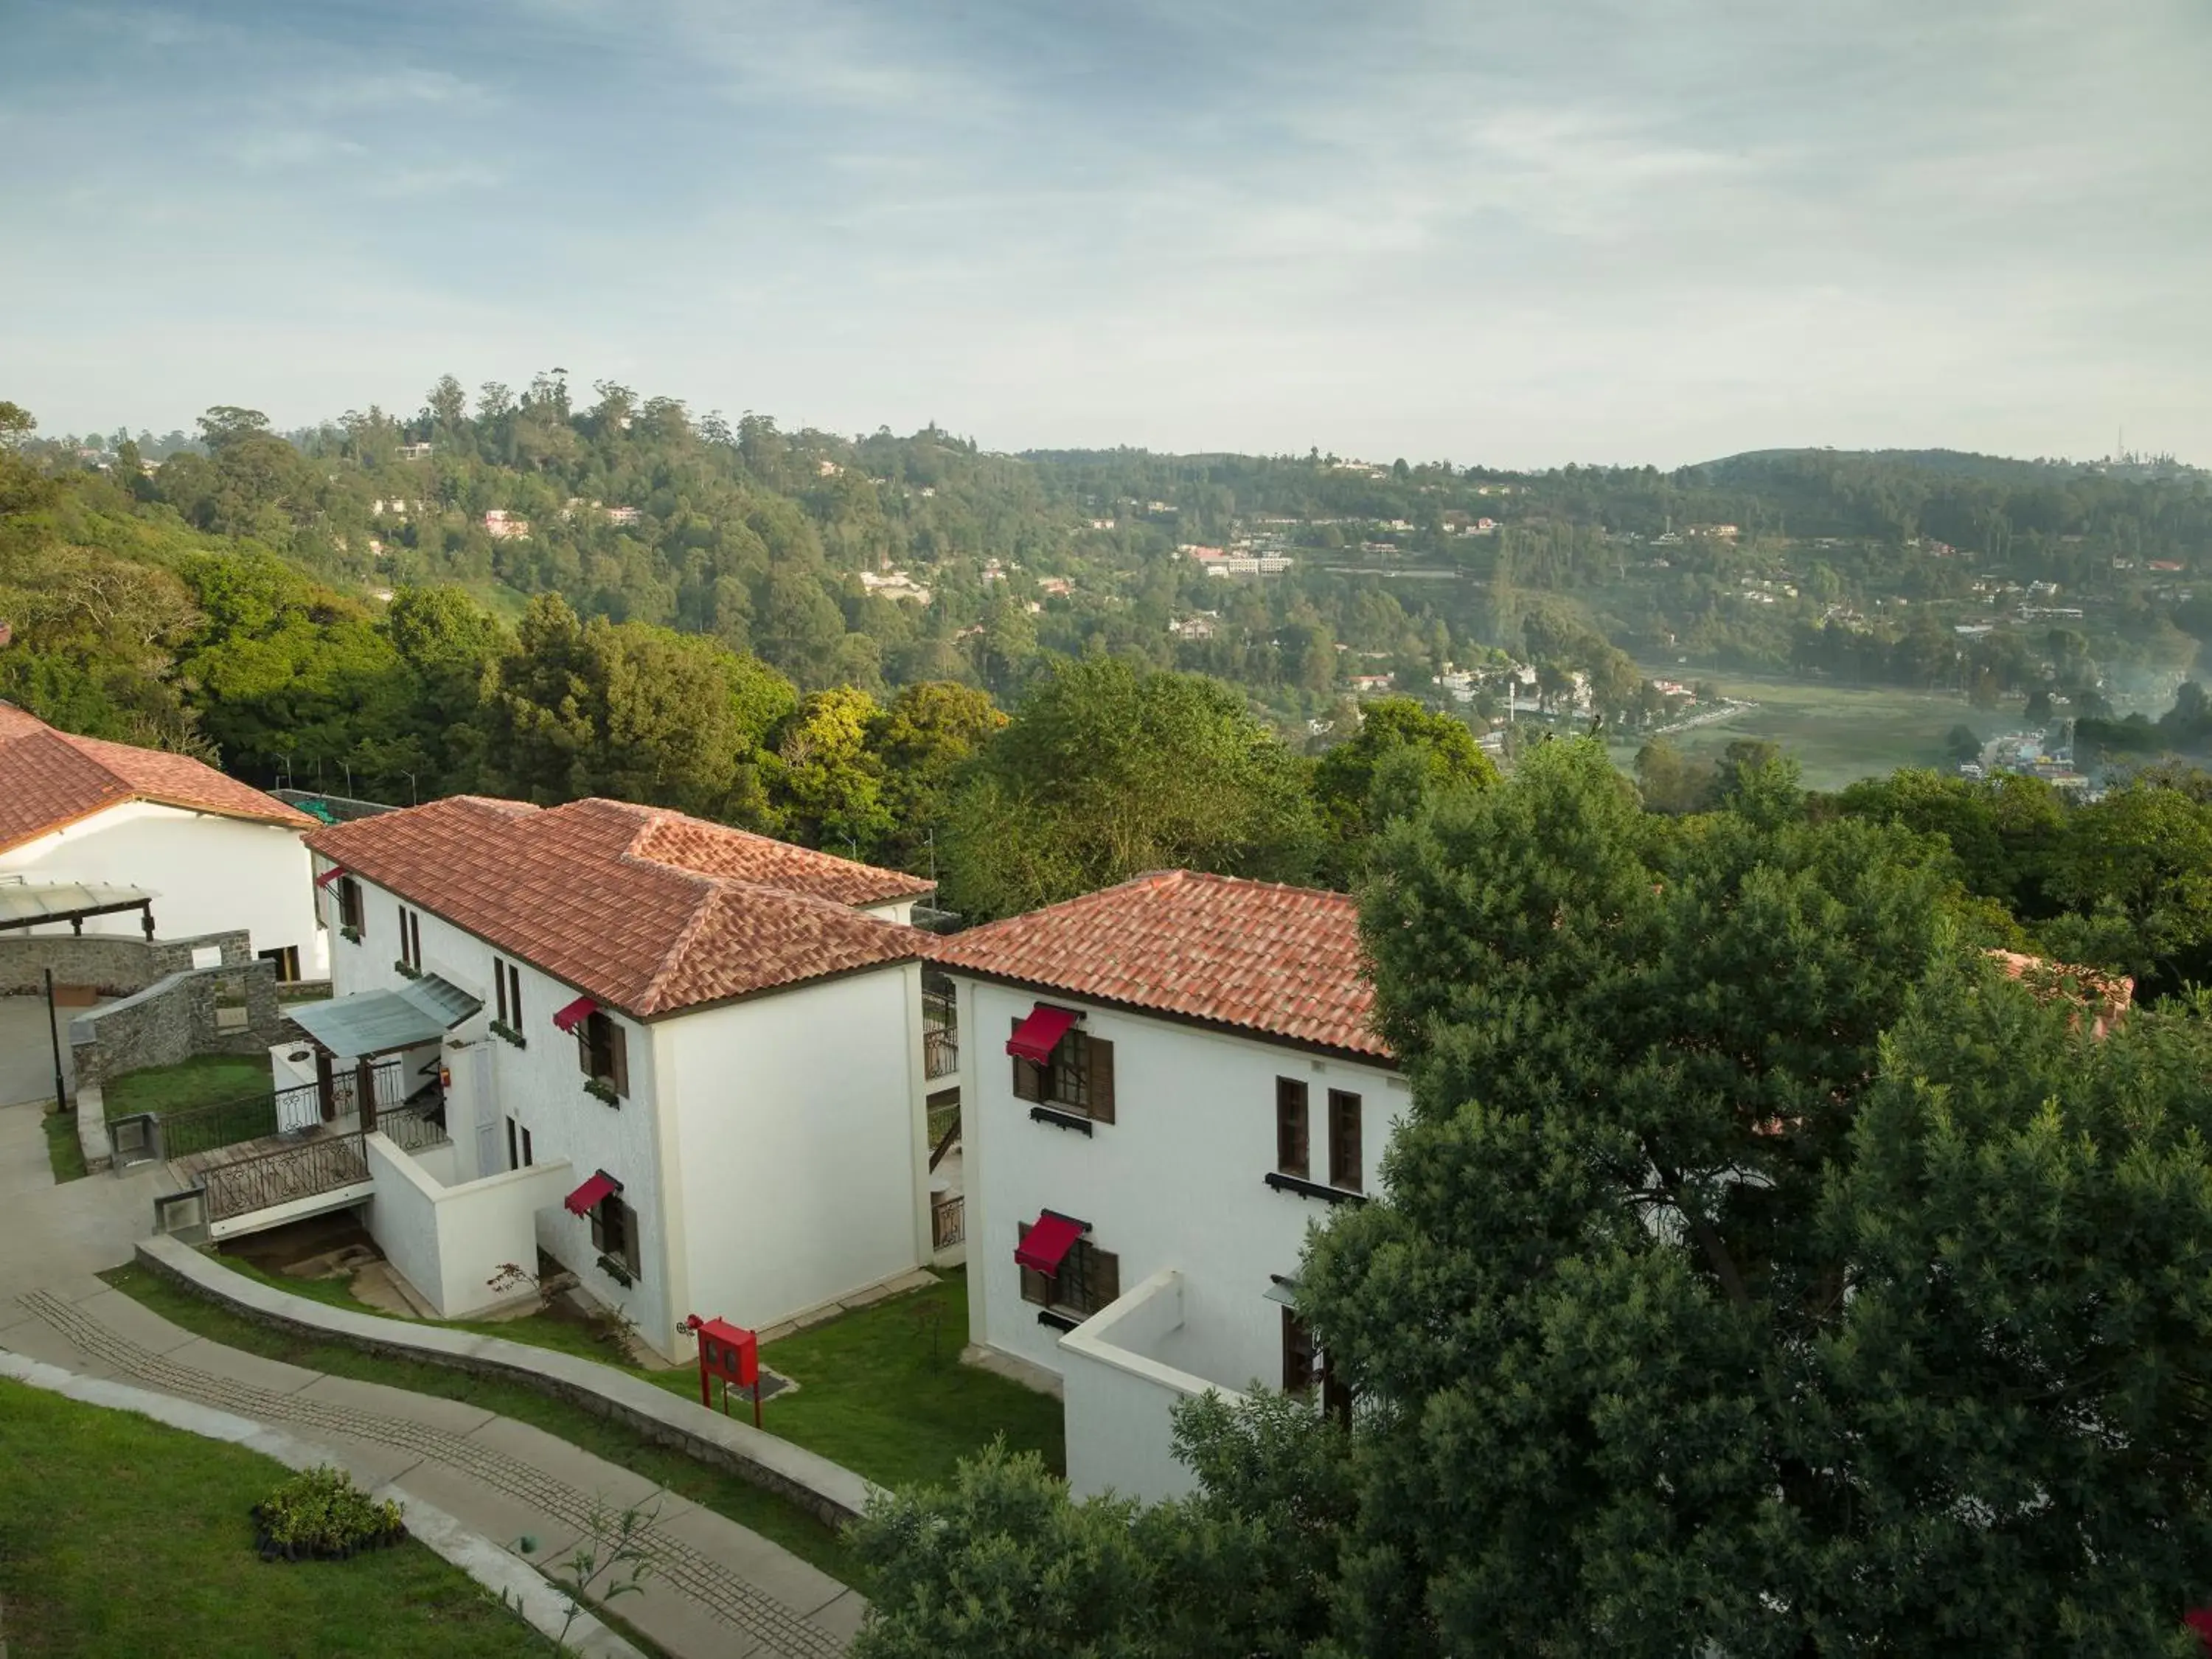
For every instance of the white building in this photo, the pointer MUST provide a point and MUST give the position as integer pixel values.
(214, 853)
(720, 1035)
(1191, 1080)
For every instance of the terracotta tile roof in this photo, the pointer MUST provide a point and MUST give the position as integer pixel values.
(637, 906)
(50, 779)
(2108, 995)
(1284, 962)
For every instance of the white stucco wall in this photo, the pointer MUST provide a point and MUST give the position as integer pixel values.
(450, 1242)
(541, 1087)
(800, 1139)
(1120, 1401)
(1175, 1181)
(211, 873)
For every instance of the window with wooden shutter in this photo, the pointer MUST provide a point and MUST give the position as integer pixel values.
(603, 1051)
(1035, 1286)
(499, 986)
(1088, 1279)
(514, 995)
(349, 904)
(1344, 1159)
(1299, 1367)
(513, 1148)
(1028, 1076)
(614, 1231)
(1098, 1060)
(1291, 1140)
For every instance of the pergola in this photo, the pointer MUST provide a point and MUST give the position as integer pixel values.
(35, 904)
(359, 1029)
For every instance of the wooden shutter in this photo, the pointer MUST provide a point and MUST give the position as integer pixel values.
(1292, 1154)
(629, 1251)
(499, 982)
(1104, 1278)
(598, 1220)
(618, 1063)
(513, 1156)
(1343, 1161)
(1101, 1061)
(584, 1044)
(515, 994)
(1028, 1076)
(1297, 1354)
(1035, 1286)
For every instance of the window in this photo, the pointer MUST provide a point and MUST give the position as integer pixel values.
(1290, 1139)
(287, 959)
(1088, 1279)
(350, 903)
(519, 1153)
(614, 1231)
(1344, 1159)
(507, 984)
(513, 1159)
(1078, 1078)
(1301, 1359)
(603, 1051)
(410, 938)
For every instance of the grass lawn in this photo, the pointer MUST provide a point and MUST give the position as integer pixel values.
(724, 1494)
(121, 1536)
(1839, 733)
(207, 1080)
(63, 1149)
(871, 1395)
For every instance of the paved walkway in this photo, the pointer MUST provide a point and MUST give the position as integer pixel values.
(719, 1590)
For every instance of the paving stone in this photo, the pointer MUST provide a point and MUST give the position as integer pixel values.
(454, 1417)
(593, 1478)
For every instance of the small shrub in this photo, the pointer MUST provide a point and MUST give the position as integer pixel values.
(321, 1516)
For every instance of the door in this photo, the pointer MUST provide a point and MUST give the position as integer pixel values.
(470, 1097)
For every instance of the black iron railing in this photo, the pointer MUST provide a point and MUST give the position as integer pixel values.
(940, 1032)
(321, 1165)
(948, 1221)
(204, 1128)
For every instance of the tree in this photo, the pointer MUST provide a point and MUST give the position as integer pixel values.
(926, 738)
(824, 783)
(1682, 1102)
(1345, 776)
(1105, 772)
(1962, 745)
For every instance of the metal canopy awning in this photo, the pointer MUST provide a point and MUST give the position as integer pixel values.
(34, 903)
(371, 1022)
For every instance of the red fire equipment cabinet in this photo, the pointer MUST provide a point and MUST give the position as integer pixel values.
(730, 1353)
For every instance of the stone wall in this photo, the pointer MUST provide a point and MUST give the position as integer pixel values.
(231, 1010)
(112, 965)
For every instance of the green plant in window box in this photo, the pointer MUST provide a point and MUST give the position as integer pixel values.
(407, 968)
(350, 935)
(501, 1030)
(600, 1089)
(618, 1271)
(320, 1514)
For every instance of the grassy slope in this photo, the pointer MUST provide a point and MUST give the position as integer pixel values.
(121, 1536)
(64, 1150)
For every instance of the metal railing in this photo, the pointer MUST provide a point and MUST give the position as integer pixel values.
(415, 1128)
(948, 1222)
(204, 1128)
(322, 1164)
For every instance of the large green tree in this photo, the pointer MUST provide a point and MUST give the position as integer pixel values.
(1344, 777)
(1760, 1272)
(1106, 772)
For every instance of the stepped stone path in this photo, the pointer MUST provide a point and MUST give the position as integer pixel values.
(718, 1589)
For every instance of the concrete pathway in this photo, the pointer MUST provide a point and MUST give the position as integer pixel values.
(719, 1590)
(26, 1049)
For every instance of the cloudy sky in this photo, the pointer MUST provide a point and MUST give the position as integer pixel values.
(1524, 234)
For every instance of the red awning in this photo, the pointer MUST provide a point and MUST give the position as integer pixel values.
(1046, 1243)
(330, 875)
(1034, 1038)
(587, 1198)
(575, 1014)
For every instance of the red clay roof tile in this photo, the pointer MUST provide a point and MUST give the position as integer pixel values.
(50, 779)
(1283, 961)
(646, 909)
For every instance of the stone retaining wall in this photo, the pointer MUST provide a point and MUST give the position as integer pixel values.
(830, 1492)
(230, 1010)
(111, 964)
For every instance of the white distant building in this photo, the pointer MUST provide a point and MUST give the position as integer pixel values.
(1190, 1080)
(896, 584)
(502, 526)
(415, 452)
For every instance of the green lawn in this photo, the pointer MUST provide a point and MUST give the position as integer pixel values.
(747, 1505)
(871, 1395)
(121, 1536)
(1839, 733)
(208, 1080)
(63, 1149)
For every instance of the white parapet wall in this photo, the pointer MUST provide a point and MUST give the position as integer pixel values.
(453, 1244)
(1120, 1399)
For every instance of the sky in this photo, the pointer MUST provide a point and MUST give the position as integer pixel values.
(1513, 234)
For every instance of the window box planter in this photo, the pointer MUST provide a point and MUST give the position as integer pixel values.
(407, 968)
(506, 1033)
(600, 1089)
(350, 935)
(618, 1271)
(1061, 1120)
(1304, 1189)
